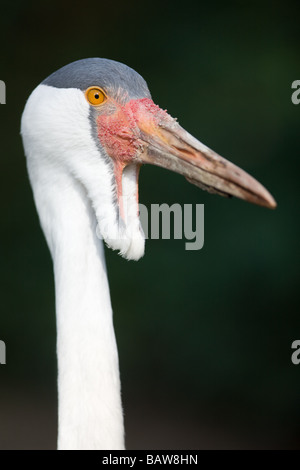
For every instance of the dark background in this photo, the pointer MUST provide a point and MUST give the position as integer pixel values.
(204, 337)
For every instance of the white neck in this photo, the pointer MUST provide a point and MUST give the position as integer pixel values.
(90, 411)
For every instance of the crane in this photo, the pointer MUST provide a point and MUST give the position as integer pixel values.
(86, 130)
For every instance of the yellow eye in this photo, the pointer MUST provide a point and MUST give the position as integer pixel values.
(95, 95)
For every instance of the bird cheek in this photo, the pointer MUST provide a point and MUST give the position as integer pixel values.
(117, 137)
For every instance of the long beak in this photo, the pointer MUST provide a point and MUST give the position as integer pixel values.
(169, 146)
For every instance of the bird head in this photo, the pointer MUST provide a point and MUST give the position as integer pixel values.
(94, 120)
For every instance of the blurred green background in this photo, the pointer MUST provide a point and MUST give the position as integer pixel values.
(204, 337)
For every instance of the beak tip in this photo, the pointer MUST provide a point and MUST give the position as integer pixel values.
(269, 202)
(273, 204)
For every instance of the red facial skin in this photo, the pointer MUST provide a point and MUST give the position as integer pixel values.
(119, 133)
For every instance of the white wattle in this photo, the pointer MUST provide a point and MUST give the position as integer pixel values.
(134, 231)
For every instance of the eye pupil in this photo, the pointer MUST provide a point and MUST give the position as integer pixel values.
(97, 96)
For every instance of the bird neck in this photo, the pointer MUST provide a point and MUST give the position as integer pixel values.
(90, 411)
